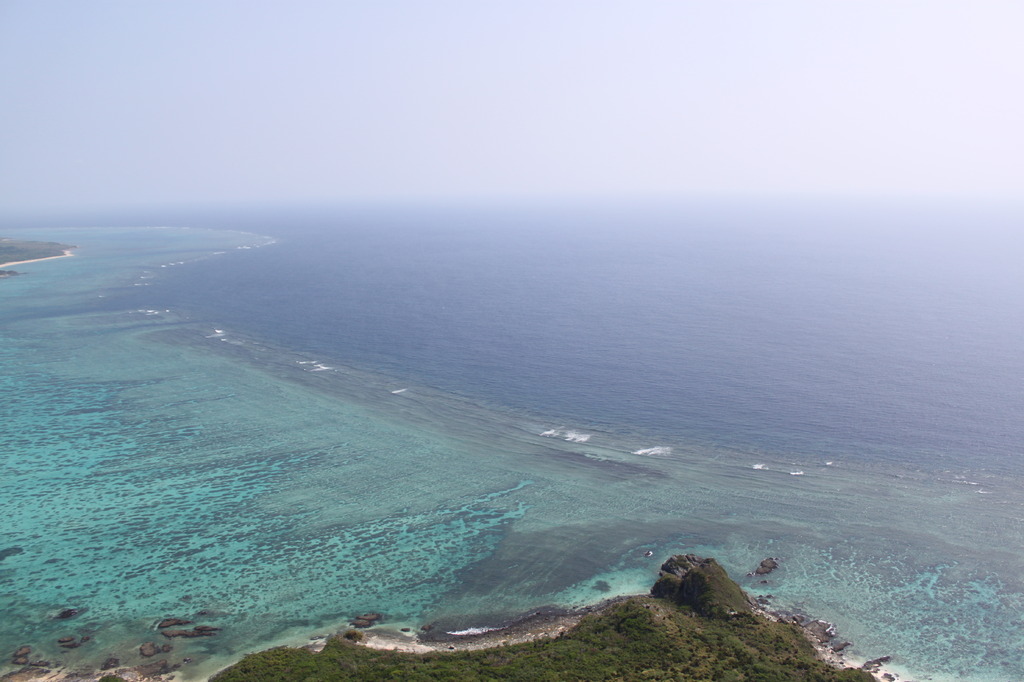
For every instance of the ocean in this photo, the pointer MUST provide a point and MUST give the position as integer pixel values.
(272, 421)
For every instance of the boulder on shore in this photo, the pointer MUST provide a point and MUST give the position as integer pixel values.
(821, 630)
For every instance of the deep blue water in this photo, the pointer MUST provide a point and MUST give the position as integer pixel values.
(890, 333)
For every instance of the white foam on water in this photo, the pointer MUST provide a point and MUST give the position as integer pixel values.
(796, 473)
(576, 437)
(471, 631)
(760, 466)
(657, 451)
(401, 390)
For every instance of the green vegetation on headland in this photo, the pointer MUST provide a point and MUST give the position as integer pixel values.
(696, 625)
(15, 250)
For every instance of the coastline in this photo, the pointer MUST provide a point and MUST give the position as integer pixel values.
(552, 622)
(544, 623)
(67, 253)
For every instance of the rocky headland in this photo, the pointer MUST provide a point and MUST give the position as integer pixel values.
(683, 628)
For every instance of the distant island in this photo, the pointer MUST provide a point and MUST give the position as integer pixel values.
(16, 252)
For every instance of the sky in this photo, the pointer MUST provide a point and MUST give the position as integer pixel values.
(131, 103)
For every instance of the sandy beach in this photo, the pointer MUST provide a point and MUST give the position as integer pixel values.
(539, 625)
(67, 253)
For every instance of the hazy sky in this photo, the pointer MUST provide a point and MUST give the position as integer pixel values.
(135, 102)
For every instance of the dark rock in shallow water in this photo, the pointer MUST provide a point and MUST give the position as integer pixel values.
(875, 663)
(65, 640)
(110, 663)
(10, 551)
(166, 648)
(178, 633)
(148, 649)
(360, 623)
(372, 617)
(171, 622)
(766, 567)
(71, 645)
(23, 651)
(199, 631)
(68, 613)
(160, 667)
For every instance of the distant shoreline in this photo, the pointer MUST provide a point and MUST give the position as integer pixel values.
(66, 254)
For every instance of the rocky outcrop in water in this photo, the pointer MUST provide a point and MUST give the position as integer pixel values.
(171, 622)
(197, 631)
(701, 584)
(874, 664)
(366, 620)
(161, 667)
(765, 567)
(68, 643)
(20, 656)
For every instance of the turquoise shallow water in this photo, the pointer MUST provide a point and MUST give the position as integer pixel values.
(159, 464)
